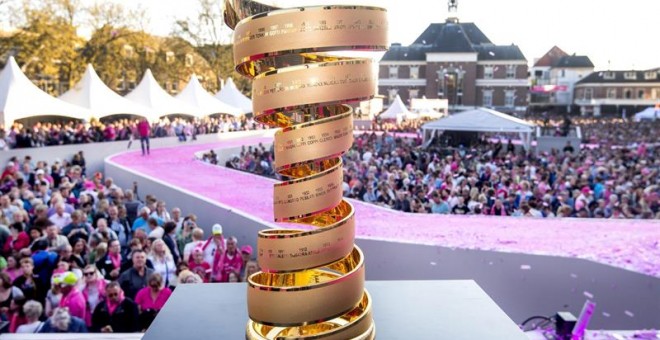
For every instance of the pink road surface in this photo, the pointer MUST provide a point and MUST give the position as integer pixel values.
(629, 244)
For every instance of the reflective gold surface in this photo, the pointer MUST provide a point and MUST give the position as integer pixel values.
(312, 283)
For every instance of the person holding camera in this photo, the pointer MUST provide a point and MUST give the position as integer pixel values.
(197, 240)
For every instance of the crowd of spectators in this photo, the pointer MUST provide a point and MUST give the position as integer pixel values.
(49, 134)
(78, 253)
(617, 179)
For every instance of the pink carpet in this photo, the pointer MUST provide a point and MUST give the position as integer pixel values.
(629, 244)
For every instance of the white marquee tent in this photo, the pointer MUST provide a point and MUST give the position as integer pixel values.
(481, 120)
(650, 113)
(398, 111)
(90, 92)
(148, 93)
(20, 98)
(194, 94)
(230, 94)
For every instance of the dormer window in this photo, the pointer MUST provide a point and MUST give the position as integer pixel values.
(630, 76)
(609, 75)
(652, 75)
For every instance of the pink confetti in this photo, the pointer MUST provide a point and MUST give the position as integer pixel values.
(550, 237)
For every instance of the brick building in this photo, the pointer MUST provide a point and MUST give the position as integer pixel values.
(618, 92)
(457, 62)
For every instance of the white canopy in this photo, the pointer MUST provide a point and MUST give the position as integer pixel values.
(397, 111)
(230, 94)
(90, 92)
(429, 113)
(481, 120)
(195, 95)
(650, 113)
(20, 98)
(148, 93)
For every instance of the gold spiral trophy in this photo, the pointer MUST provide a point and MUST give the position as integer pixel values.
(312, 281)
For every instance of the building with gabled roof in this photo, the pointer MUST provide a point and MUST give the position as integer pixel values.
(456, 61)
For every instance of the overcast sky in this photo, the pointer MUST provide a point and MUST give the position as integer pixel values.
(624, 33)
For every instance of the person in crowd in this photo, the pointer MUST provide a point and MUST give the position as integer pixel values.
(230, 262)
(163, 262)
(135, 278)
(144, 130)
(110, 265)
(32, 310)
(45, 262)
(197, 264)
(13, 268)
(161, 212)
(63, 322)
(102, 233)
(97, 252)
(197, 241)
(93, 289)
(142, 220)
(151, 299)
(186, 277)
(60, 218)
(214, 245)
(18, 317)
(116, 313)
(79, 253)
(7, 295)
(54, 294)
(184, 235)
(246, 256)
(72, 298)
(78, 228)
(53, 238)
(169, 237)
(120, 227)
(18, 239)
(250, 268)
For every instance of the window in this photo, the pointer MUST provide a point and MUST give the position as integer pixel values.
(414, 72)
(413, 93)
(588, 94)
(511, 71)
(488, 72)
(611, 93)
(509, 98)
(563, 73)
(169, 57)
(630, 75)
(627, 93)
(609, 75)
(651, 75)
(487, 100)
(189, 60)
(640, 94)
(149, 55)
(654, 93)
(394, 72)
(128, 51)
(392, 94)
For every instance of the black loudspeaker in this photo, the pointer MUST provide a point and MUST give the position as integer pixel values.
(564, 324)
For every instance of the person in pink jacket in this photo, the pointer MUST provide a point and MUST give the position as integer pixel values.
(232, 262)
(144, 130)
(72, 298)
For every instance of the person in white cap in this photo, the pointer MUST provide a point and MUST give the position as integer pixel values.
(215, 242)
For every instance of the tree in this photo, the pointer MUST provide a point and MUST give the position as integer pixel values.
(211, 38)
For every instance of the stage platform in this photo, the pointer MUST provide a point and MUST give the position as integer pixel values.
(457, 310)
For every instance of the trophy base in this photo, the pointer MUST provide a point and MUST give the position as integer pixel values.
(401, 310)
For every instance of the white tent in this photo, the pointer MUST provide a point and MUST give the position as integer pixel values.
(148, 93)
(481, 120)
(20, 98)
(650, 113)
(194, 94)
(229, 94)
(397, 111)
(429, 113)
(90, 92)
